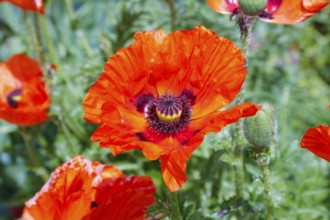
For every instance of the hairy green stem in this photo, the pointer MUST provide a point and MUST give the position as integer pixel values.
(39, 45)
(52, 51)
(245, 24)
(175, 206)
(172, 13)
(268, 190)
(30, 31)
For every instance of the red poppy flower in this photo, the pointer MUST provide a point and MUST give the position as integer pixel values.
(162, 95)
(24, 99)
(317, 141)
(82, 189)
(276, 11)
(29, 5)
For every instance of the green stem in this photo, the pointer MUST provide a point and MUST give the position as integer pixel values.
(29, 147)
(30, 31)
(268, 190)
(39, 47)
(172, 13)
(68, 5)
(52, 51)
(84, 42)
(245, 24)
(61, 124)
(175, 206)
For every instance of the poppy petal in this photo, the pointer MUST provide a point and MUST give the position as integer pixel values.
(29, 5)
(216, 121)
(122, 139)
(223, 6)
(130, 197)
(294, 11)
(211, 67)
(317, 141)
(173, 167)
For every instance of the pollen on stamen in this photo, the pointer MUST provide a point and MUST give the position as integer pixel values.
(168, 108)
(169, 114)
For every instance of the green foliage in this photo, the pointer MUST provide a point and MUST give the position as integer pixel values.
(288, 67)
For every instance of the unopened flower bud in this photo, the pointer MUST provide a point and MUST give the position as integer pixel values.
(259, 130)
(252, 7)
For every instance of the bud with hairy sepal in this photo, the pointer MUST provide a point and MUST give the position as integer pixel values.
(259, 130)
(252, 7)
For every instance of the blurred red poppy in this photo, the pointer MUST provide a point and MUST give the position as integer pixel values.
(83, 189)
(24, 99)
(162, 95)
(29, 5)
(317, 141)
(276, 11)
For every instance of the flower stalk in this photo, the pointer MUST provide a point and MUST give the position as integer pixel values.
(39, 47)
(175, 206)
(172, 13)
(52, 51)
(268, 190)
(245, 24)
(30, 31)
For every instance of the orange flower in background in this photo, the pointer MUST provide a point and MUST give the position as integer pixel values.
(162, 95)
(317, 141)
(29, 5)
(24, 99)
(83, 189)
(275, 11)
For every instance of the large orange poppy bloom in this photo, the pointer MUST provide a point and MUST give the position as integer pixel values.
(29, 5)
(276, 11)
(24, 99)
(317, 141)
(162, 95)
(83, 189)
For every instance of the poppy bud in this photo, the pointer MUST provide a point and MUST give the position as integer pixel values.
(252, 7)
(259, 130)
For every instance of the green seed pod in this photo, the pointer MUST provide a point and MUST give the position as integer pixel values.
(252, 7)
(259, 130)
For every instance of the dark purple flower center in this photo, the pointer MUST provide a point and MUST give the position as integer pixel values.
(167, 114)
(14, 97)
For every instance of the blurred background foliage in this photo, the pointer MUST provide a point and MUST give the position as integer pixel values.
(288, 68)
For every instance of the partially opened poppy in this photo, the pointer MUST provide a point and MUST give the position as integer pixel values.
(29, 5)
(317, 140)
(162, 95)
(83, 189)
(24, 99)
(274, 11)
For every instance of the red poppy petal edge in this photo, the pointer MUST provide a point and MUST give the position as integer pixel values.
(317, 140)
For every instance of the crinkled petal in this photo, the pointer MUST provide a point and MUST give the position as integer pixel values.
(123, 198)
(216, 121)
(174, 164)
(212, 68)
(317, 141)
(120, 139)
(68, 193)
